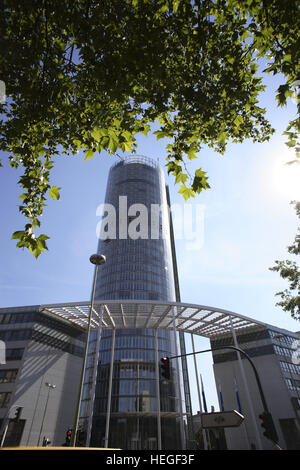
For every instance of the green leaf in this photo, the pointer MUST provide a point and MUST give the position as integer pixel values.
(77, 143)
(48, 165)
(245, 35)
(43, 237)
(18, 235)
(238, 121)
(127, 146)
(88, 154)
(222, 137)
(127, 136)
(113, 143)
(186, 192)
(41, 243)
(175, 5)
(192, 153)
(97, 134)
(145, 130)
(291, 143)
(54, 192)
(160, 134)
(181, 178)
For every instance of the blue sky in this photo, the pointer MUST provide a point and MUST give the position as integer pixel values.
(248, 222)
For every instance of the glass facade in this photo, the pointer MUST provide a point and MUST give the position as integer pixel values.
(139, 267)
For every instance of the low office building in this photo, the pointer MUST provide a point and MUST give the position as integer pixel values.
(274, 354)
(40, 373)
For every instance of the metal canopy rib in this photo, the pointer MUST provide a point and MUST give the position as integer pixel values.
(106, 310)
(123, 315)
(149, 316)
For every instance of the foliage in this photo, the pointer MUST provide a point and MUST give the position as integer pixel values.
(90, 75)
(290, 271)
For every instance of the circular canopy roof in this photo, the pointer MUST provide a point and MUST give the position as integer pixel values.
(189, 318)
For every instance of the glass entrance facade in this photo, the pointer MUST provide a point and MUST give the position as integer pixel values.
(139, 267)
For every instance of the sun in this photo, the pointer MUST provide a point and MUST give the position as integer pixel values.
(285, 176)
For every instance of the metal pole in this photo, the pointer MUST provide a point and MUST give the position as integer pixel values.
(4, 434)
(244, 427)
(247, 388)
(45, 409)
(74, 434)
(157, 393)
(94, 378)
(109, 389)
(198, 390)
(183, 440)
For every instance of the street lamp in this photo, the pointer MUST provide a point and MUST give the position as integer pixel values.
(50, 386)
(97, 260)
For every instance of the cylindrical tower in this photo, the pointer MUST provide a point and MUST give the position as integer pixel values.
(138, 266)
(139, 258)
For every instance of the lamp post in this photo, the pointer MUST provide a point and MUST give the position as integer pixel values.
(50, 386)
(97, 260)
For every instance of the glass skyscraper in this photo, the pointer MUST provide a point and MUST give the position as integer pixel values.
(140, 265)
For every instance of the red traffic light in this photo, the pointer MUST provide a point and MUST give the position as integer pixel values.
(165, 367)
(68, 436)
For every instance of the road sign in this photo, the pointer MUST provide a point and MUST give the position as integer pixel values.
(223, 419)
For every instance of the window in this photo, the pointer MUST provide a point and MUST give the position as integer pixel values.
(283, 351)
(283, 339)
(4, 319)
(284, 366)
(8, 375)
(293, 384)
(14, 354)
(4, 399)
(289, 384)
(21, 317)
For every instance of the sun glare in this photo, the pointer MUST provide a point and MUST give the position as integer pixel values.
(286, 177)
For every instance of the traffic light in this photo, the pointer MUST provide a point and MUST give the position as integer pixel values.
(68, 436)
(268, 426)
(17, 414)
(165, 367)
